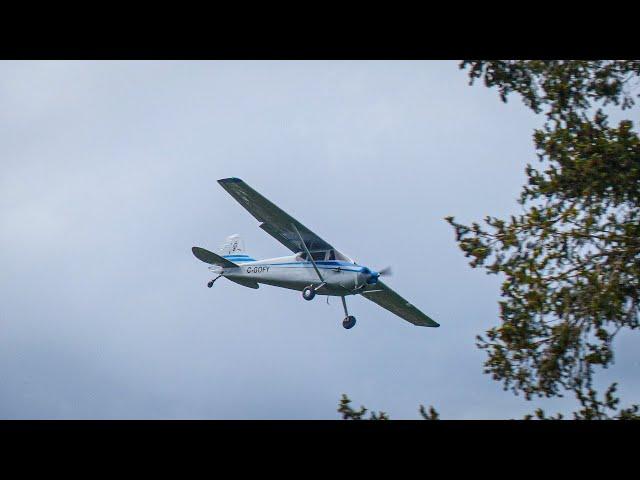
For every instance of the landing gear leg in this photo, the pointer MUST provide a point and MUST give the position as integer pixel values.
(344, 305)
(210, 284)
(349, 320)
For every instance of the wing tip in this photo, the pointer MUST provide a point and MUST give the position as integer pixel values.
(430, 324)
(433, 323)
(222, 181)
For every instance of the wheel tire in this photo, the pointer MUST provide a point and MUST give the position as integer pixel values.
(308, 293)
(349, 322)
(210, 284)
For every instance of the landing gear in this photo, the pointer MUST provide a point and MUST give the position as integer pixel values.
(308, 293)
(349, 320)
(210, 284)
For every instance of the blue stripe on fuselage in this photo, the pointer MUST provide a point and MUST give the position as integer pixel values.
(239, 258)
(325, 265)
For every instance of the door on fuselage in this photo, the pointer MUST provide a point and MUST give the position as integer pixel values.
(333, 273)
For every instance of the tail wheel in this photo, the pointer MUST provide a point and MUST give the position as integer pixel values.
(349, 322)
(308, 293)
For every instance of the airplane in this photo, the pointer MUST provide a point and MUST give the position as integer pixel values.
(315, 268)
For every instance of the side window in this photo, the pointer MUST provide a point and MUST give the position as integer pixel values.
(318, 255)
(332, 255)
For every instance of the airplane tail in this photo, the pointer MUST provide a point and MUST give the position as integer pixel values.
(232, 245)
(229, 255)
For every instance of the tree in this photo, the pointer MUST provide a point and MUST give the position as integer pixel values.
(571, 260)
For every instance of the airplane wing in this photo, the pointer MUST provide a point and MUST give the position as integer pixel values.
(274, 221)
(390, 300)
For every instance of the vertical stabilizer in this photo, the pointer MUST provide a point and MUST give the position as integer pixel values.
(233, 245)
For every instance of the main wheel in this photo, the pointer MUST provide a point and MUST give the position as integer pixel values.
(210, 284)
(308, 293)
(349, 322)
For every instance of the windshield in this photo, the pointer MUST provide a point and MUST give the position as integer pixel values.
(323, 255)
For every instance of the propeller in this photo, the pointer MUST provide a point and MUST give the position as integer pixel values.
(385, 272)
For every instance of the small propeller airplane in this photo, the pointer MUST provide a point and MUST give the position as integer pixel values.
(316, 267)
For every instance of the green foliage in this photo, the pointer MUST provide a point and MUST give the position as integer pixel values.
(595, 409)
(571, 260)
(429, 415)
(348, 413)
(563, 87)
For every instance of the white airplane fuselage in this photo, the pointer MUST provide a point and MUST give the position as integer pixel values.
(340, 277)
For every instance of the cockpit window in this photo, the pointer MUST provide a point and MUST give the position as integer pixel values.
(332, 255)
(318, 255)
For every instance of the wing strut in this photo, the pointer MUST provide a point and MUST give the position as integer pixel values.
(304, 245)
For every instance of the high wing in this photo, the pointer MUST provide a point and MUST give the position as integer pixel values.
(274, 221)
(390, 300)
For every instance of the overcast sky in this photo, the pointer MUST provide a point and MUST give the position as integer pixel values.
(108, 178)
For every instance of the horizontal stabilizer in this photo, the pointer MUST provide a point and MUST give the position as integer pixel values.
(209, 257)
